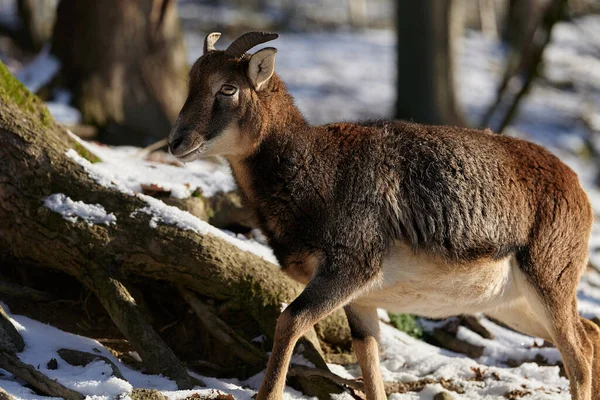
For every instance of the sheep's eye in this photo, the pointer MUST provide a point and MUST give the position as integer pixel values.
(228, 90)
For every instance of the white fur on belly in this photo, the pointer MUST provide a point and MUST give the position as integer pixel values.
(437, 289)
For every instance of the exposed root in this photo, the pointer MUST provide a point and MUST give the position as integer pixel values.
(121, 307)
(35, 378)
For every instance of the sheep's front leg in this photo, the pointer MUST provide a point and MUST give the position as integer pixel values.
(324, 294)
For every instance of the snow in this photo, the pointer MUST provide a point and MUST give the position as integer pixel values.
(404, 359)
(158, 210)
(74, 210)
(127, 166)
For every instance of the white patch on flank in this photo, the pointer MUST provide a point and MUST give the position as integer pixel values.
(73, 210)
(437, 289)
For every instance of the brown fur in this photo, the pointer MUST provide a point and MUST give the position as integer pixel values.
(337, 202)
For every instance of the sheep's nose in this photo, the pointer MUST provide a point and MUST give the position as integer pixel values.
(175, 143)
(177, 138)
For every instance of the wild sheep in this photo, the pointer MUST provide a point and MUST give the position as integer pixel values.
(430, 220)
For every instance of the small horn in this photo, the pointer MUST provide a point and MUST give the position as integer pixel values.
(247, 41)
(210, 40)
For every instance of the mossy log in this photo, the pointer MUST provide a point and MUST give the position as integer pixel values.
(34, 165)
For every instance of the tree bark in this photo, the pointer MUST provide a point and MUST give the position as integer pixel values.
(125, 62)
(425, 81)
(35, 166)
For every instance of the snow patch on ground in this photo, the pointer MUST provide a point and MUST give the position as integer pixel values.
(404, 359)
(74, 210)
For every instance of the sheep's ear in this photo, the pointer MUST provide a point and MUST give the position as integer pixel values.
(262, 66)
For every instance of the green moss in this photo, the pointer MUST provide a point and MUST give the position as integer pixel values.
(13, 91)
(85, 153)
(407, 323)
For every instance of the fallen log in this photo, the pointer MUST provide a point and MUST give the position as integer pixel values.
(35, 166)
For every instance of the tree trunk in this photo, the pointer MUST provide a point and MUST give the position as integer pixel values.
(425, 82)
(125, 62)
(38, 21)
(34, 166)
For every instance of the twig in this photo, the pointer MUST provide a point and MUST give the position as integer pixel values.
(552, 14)
(81, 358)
(153, 147)
(217, 328)
(35, 378)
(121, 307)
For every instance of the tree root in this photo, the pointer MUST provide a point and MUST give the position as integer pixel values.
(244, 350)
(121, 307)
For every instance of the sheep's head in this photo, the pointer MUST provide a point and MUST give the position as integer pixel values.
(223, 108)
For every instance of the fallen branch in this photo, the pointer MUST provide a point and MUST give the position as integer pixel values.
(451, 342)
(309, 372)
(35, 378)
(474, 324)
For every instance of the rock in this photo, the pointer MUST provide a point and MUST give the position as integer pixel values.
(52, 364)
(443, 396)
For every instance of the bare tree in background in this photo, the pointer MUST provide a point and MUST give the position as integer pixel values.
(426, 30)
(38, 21)
(125, 62)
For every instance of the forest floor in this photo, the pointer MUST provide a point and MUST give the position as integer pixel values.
(347, 77)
